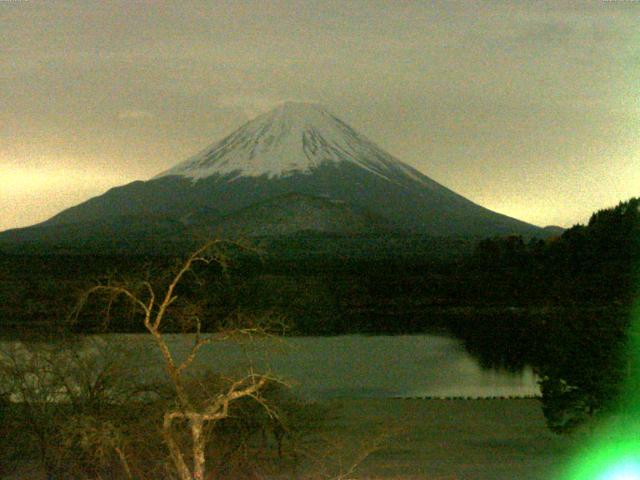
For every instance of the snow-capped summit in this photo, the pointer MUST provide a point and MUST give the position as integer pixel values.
(292, 138)
(295, 168)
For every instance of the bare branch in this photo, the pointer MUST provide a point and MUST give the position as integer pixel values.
(174, 450)
(152, 295)
(155, 308)
(220, 407)
(117, 291)
(199, 343)
(169, 298)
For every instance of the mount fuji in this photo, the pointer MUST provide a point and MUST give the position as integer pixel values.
(295, 168)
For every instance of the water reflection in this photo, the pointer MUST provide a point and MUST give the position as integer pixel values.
(368, 366)
(354, 366)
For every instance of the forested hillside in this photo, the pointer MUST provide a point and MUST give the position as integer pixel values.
(561, 304)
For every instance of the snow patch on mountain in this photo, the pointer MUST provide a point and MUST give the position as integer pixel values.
(293, 138)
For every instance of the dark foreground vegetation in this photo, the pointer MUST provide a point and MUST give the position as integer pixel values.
(85, 417)
(78, 407)
(561, 305)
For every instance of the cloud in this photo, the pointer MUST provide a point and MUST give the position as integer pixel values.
(135, 115)
(253, 105)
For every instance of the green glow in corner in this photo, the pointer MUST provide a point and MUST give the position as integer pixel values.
(623, 471)
(613, 460)
(614, 451)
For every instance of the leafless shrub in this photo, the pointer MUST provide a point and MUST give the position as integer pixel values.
(91, 418)
(194, 412)
(71, 403)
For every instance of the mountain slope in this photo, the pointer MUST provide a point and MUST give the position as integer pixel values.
(293, 213)
(295, 149)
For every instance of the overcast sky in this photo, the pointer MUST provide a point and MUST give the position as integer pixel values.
(529, 108)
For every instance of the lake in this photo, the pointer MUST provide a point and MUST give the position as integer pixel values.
(349, 366)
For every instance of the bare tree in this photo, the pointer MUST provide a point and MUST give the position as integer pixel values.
(154, 304)
(62, 398)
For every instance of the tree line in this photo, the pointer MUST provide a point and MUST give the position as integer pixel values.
(560, 304)
(584, 283)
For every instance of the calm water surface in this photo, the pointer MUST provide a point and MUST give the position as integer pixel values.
(354, 366)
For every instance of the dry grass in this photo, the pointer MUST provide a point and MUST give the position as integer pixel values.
(435, 440)
(452, 439)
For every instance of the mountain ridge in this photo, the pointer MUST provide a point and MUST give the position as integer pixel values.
(294, 149)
